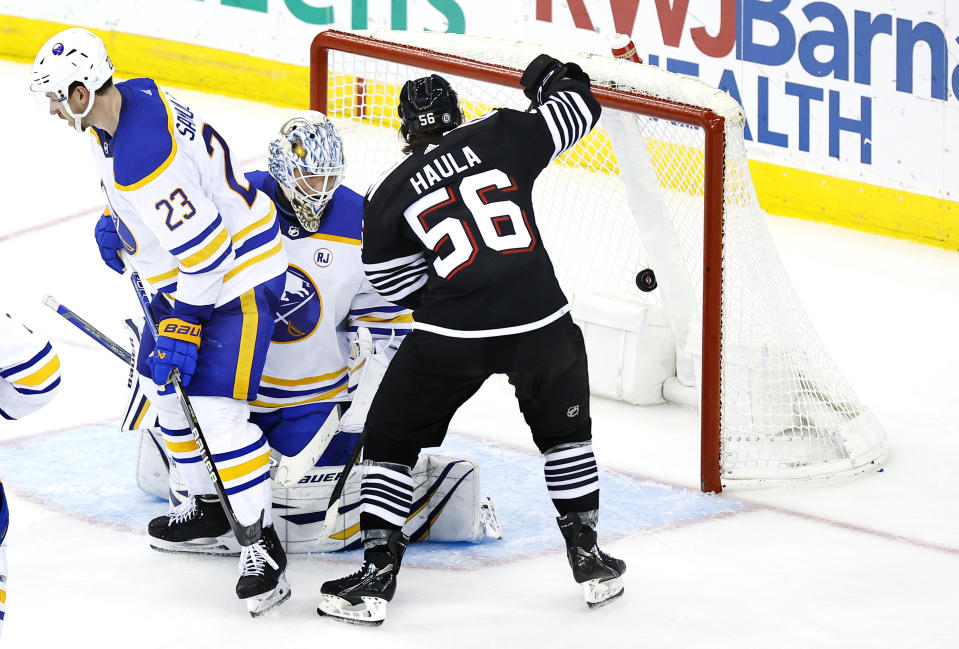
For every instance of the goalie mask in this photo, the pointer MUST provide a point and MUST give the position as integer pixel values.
(73, 55)
(307, 162)
(428, 105)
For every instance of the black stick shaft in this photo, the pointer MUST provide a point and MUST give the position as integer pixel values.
(89, 330)
(341, 481)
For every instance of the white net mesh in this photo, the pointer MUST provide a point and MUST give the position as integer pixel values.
(629, 197)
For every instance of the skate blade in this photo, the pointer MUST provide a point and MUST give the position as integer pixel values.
(372, 612)
(489, 521)
(260, 604)
(223, 546)
(600, 592)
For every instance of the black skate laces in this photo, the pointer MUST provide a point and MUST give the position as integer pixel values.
(252, 558)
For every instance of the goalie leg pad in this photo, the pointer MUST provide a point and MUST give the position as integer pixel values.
(447, 507)
(304, 436)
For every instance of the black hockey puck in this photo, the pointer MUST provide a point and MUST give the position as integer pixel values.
(646, 280)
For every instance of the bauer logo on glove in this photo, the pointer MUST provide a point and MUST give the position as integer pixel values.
(177, 347)
(186, 331)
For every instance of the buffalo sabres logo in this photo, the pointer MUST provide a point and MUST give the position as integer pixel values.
(300, 310)
(126, 236)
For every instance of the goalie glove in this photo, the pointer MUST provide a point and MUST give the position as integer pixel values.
(368, 362)
(544, 72)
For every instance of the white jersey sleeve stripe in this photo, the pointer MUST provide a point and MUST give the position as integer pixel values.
(568, 118)
(579, 121)
(401, 276)
(562, 124)
(401, 292)
(546, 112)
(392, 263)
(568, 121)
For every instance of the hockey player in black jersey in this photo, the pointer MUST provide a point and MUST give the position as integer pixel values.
(450, 233)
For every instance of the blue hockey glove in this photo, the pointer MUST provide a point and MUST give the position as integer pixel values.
(109, 243)
(177, 346)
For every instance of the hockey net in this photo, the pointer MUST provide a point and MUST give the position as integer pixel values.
(662, 182)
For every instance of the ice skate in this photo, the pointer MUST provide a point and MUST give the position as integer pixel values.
(263, 581)
(600, 574)
(198, 525)
(361, 598)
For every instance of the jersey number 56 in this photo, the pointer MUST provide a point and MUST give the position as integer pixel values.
(491, 218)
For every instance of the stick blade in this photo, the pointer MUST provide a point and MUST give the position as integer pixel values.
(332, 511)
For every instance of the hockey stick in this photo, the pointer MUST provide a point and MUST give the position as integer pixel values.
(89, 329)
(245, 534)
(292, 468)
(333, 508)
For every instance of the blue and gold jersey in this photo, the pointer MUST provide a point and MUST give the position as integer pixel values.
(191, 224)
(327, 296)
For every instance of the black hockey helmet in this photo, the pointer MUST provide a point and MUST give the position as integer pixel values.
(428, 105)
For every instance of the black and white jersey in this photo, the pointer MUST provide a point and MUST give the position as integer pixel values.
(450, 231)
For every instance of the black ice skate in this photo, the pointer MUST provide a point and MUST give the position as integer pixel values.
(263, 581)
(599, 573)
(197, 525)
(361, 598)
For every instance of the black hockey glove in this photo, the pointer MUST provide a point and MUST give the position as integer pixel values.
(573, 71)
(543, 72)
(540, 72)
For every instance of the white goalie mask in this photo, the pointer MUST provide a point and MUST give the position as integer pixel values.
(307, 162)
(73, 55)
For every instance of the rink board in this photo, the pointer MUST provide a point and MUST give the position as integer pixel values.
(91, 472)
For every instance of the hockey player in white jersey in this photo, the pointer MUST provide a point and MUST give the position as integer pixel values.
(208, 245)
(333, 336)
(29, 379)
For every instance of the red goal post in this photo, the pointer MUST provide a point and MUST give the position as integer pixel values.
(417, 52)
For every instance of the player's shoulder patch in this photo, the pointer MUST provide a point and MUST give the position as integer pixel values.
(144, 145)
(344, 217)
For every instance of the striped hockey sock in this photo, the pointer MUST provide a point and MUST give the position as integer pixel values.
(572, 477)
(386, 492)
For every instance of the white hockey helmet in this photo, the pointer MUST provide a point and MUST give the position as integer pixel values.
(307, 162)
(73, 55)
